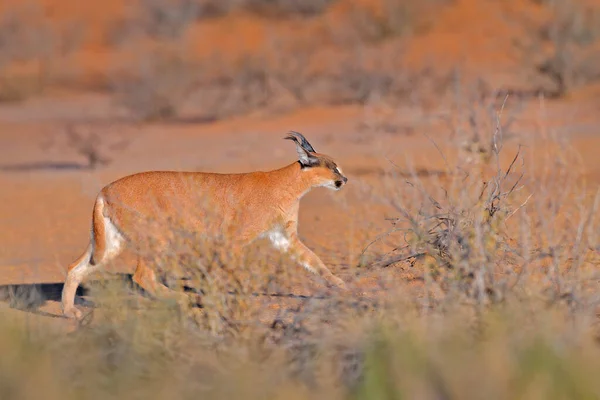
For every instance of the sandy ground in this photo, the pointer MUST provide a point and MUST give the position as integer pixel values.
(46, 196)
(46, 199)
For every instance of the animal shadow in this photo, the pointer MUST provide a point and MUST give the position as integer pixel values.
(44, 165)
(30, 297)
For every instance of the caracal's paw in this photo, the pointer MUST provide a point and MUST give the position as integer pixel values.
(73, 313)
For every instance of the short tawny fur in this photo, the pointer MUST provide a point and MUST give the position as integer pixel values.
(241, 207)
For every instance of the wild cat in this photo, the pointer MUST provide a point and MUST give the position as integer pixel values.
(253, 205)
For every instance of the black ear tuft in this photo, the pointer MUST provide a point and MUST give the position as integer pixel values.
(301, 140)
(305, 151)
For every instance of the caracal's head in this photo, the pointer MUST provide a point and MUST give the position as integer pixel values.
(321, 169)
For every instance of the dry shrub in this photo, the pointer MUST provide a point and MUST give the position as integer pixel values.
(152, 354)
(160, 19)
(511, 356)
(501, 273)
(289, 73)
(291, 65)
(170, 19)
(455, 225)
(286, 8)
(249, 83)
(21, 43)
(472, 231)
(229, 87)
(366, 75)
(286, 68)
(573, 32)
(159, 73)
(163, 20)
(30, 45)
(19, 88)
(94, 143)
(163, 81)
(156, 84)
(377, 21)
(502, 301)
(381, 77)
(474, 123)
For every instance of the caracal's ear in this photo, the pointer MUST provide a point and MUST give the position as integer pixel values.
(305, 150)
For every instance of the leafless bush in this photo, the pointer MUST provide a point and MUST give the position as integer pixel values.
(166, 19)
(395, 18)
(473, 123)
(18, 41)
(224, 86)
(170, 19)
(250, 82)
(29, 45)
(468, 228)
(373, 75)
(462, 240)
(359, 82)
(156, 84)
(257, 81)
(573, 31)
(215, 8)
(290, 65)
(19, 88)
(384, 19)
(280, 8)
(23, 297)
(156, 19)
(95, 143)
(233, 87)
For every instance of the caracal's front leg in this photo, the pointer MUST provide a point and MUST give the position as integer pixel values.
(309, 260)
(305, 256)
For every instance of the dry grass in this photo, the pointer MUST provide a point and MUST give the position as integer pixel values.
(373, 22)
(159, 84)
(170, 19)
(485, 286)
(572, 30)
(286, 8)
(30, 46)
(491, 291)
(287, 72)
(162, 20)
(94, 143)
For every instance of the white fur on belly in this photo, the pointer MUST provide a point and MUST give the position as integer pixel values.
(279, 240)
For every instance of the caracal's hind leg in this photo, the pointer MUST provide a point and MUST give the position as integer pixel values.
(105, 244)
(77, 271)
